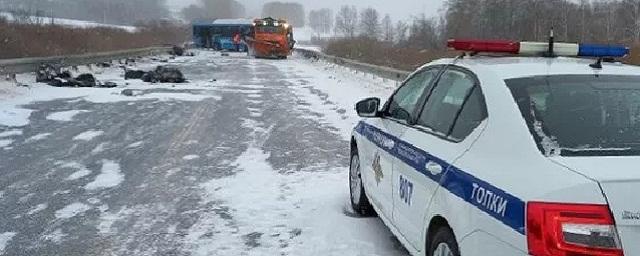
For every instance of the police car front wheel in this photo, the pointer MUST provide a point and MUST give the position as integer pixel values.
(359, 201)
(444, 243)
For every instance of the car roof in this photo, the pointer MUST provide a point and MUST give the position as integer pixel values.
(517, 67)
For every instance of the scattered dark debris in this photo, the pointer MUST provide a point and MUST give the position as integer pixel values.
(164, 74)
(108, 85)
(133, 74)
(104, 65)
(86, 80)
(127, 62)
(65, 75)
(60, 82)
(131, 92)
(177, 51)
(47, 72)
(65, 80)
(295, 233)
(252, 240)
(54, 76)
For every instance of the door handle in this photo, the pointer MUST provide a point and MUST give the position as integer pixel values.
(434, 168)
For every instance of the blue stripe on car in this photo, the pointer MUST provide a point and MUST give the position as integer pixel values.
(494, 201)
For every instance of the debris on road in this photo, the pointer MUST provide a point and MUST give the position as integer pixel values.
(54, 76)
(177, 51)
(65, 80)
(108, 85)
(86, 80)
(131, 92)
(47, 72)
(164, 74)
(104, 65)
(133, 74)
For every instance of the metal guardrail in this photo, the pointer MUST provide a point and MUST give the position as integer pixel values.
(384, 72)
(23, 65)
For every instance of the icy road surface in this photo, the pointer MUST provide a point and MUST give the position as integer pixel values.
(249, 158)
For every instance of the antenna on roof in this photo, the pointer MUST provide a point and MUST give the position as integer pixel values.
(551, 52)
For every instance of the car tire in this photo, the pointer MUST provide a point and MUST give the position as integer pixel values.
(443, 243)
(359, 201)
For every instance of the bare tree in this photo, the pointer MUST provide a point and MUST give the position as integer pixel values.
(321, 21)
(292, 12)
(402, 30)
(214, 9)
(327, 20)
(424, 33)
(315, 21)
(632, 18)
(370, 23)
(347, 21)
(106, 11)
(388, 33)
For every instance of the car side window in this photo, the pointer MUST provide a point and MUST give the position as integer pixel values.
(473, 113)
(403, 103)
(446, 102)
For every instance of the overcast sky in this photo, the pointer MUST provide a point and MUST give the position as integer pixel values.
(398, 9)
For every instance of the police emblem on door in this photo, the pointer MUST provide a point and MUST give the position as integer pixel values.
(377, 169)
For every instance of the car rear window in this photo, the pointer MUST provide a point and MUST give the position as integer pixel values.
(581, 115)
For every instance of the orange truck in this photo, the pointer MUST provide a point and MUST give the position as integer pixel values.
(271, 38)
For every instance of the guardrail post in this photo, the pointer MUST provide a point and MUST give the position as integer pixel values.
(12, 78)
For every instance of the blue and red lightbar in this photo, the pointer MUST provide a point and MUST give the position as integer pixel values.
(538, 48)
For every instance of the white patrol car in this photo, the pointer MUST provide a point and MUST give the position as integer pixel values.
(490, 156)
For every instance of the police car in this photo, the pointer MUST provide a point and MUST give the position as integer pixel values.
(537, 153)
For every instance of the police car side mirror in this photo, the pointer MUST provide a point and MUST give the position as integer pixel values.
(368, 107)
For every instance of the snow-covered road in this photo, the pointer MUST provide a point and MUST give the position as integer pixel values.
(249, 158)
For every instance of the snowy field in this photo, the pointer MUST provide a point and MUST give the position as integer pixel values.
(248, 158)
(67, 22)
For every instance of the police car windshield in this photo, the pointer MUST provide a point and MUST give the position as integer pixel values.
(581, 115)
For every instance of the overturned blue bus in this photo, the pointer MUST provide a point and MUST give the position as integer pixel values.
(222, 34)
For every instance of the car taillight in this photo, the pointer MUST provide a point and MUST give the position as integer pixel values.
(571, 230)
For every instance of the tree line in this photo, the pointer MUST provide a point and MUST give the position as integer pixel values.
(604, 21)
(598, 21)
(294, 13)
(108, 11)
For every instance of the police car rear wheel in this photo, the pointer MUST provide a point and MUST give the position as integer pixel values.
(359, 201)
(444, 243)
